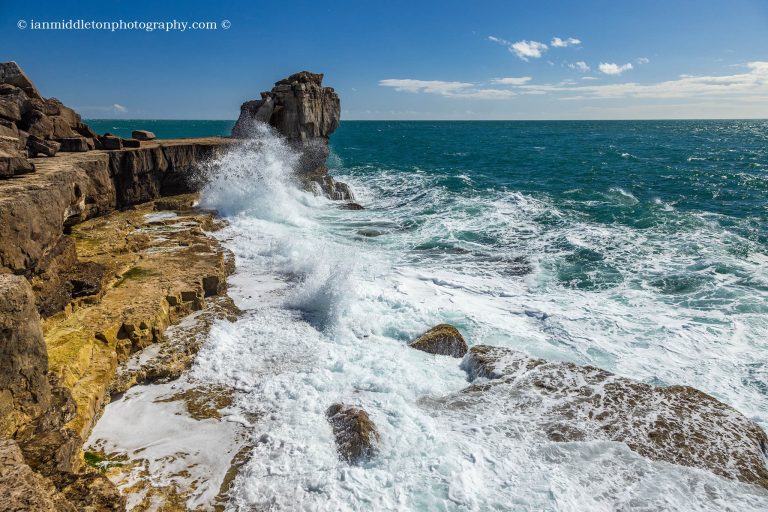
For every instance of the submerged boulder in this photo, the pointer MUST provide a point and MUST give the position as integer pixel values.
(570, 403)
(351, 206)
(356, 435)
(443, 339)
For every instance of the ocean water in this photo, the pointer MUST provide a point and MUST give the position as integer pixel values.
(637, 247)
(162, 128)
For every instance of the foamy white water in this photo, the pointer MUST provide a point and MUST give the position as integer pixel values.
(331, 297)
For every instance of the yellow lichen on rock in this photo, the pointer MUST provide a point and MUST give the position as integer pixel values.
(159, 268)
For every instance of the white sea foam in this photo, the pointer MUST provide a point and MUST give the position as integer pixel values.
(328, 314)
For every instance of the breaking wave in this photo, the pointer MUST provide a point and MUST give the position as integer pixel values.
(593, 274)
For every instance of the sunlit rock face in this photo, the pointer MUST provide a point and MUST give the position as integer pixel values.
(306, 113)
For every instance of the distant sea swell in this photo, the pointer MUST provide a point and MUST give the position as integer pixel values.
(162, 128)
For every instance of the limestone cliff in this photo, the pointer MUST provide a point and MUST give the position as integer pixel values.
(306, 113)
(31, 125)
(24, 390)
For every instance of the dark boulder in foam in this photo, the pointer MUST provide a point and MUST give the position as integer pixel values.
(356, 435)
(567, 402)
(443, 339)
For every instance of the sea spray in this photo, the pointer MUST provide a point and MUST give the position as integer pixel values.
(253, 177)
(255, 180)
(328, 313)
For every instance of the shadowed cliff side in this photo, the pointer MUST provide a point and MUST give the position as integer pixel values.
(306, 113)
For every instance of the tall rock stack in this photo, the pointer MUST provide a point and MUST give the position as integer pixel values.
(31, 125)
(306, 113)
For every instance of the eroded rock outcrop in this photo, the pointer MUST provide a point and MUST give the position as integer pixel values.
(356, 435)
(13, 161)
(39, 455)
(33, 125)
(36, 210)
(568, 402)
(306, 113)
(24, 389)
(143, 135)
(443, 339)
(153, 273)
(23, 489)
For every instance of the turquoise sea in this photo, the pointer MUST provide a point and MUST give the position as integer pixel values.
(162, 128)
(640, 247)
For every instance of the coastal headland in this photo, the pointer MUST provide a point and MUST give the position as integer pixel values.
(103, 247)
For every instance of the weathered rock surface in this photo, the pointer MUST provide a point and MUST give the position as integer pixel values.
(50, 124)
(306, 113)
(298, 107)
(568, 402)
(12, 161)
(33, 410)
(356, 435)
(11, 73)
(73, 187)
(443, 339)
(37, 146)
(110, 142)
(24, 389)
(150, 274)
(142, 135)
(73, 144)
(23, 490)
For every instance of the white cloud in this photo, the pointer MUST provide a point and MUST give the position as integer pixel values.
(487, 94)
(562, 43)
(580, 65)
(429, 86)
(520, 80)
(643, 60)
(614, 69)
(523, 49)
(448, 89)
(499, 40)
(750, 85)
(528, 49)
(119, 108)
(753, 83)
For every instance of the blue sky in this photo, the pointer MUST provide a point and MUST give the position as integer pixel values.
(405, 59)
